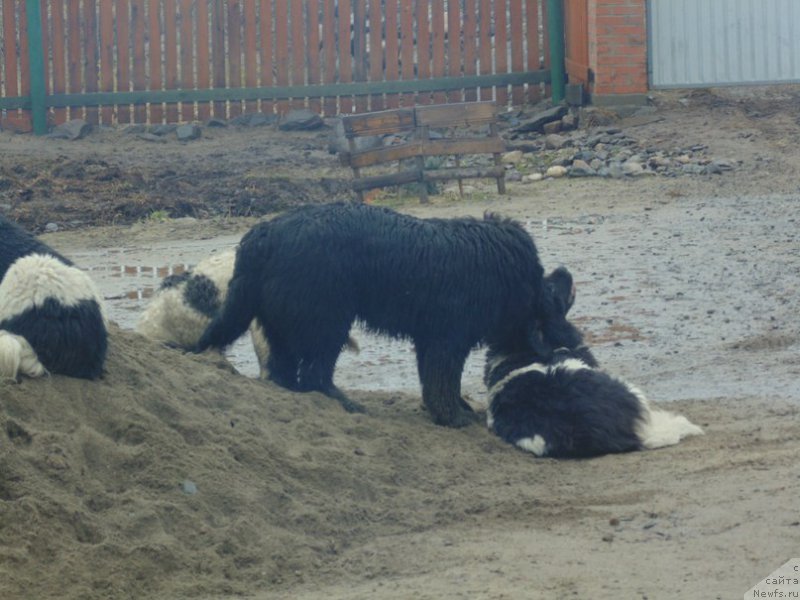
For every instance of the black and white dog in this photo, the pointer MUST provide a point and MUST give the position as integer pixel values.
(185, 304)
(51, 315)
(446, 284)
(565, 406)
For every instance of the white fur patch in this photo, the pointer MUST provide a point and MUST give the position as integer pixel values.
(571, 365)
(496, 361)
(536, 445)
(33, 279)
(17, 357)
(531, 368)
(661, 428)
(169, 319)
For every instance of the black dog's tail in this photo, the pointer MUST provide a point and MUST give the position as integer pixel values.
(234, 318)
(236, 313)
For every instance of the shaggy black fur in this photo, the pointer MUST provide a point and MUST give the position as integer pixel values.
(202, 295)
(171, 281)
(68, 340)
(577, 413)
(15, 243)
(446, 284)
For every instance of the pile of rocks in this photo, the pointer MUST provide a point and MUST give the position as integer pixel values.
(601, 151)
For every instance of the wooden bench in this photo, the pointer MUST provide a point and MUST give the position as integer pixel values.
(415, 124)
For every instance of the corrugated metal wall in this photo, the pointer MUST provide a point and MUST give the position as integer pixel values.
(723, 42)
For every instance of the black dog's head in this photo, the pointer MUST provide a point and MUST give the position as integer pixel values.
(554, 339)
(557, 338)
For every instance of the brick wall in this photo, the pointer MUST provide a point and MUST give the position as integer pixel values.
(618, 46)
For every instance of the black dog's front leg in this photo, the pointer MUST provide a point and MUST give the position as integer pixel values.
(440, 371)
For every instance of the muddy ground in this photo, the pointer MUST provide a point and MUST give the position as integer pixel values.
(176, 477)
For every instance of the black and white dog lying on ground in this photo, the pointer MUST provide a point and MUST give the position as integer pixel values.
(448, 285)
(565, 406)
(51, 315)
(185, 304)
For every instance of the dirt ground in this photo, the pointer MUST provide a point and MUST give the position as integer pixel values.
(176, 477)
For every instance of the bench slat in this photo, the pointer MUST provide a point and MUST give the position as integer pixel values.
(379, 123)
(412, 148)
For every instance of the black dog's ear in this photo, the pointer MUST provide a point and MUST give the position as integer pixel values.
(560, 290)
(539, 346)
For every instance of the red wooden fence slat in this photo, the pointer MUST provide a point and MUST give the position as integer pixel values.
(91, 53)
(139, 64)
(454, 55)
(375, 55)
(329, 51)
(218, 54)
(345, 53)
(156, 55)
(438, 28)
(423, 49)
(298, 53)
(107, 56)
(187, 56)
(392, 54)
(360, 50)
(11, 69)
(265, 14)
(501, 46)
(24, 53)
(46, 53)
(312, 50)
(517, 63)
(470, 38)
(74, 57)
(59, 57)
(123, 57)
(281, 49)
(250, 52)
(545, 45)
(234, 53)
(485, 45)
(360, 67)
(20, 120)
(203, 58)
(532, 39)
(407, 48)
(171, 55)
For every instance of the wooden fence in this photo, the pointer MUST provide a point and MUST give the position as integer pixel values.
(156, 61)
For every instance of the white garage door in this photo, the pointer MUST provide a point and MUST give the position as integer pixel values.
(723, 42)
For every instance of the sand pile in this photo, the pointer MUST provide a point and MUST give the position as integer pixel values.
(173, 475)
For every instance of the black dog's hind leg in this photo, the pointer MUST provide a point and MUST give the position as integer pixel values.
(316, 375)
(440, 369)
(282, 364)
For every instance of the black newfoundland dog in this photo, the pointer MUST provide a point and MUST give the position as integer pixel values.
(51, 315)
(446, 284)
(562, 405)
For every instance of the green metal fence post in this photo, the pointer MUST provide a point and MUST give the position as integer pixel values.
(555, 26)
(36, 57)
